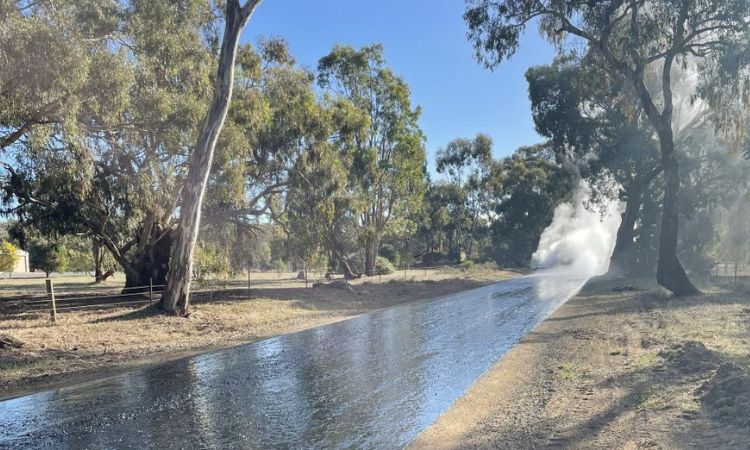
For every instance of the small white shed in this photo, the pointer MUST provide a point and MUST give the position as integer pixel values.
(22, 265)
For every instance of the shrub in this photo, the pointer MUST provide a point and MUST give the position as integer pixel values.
(389, 252)
(467, 265)
(280, 266)
(209, 261)
(383, 266)
(487, 265)
(8, 257)
(47, 257)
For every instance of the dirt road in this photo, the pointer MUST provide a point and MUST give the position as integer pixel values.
(615, 370)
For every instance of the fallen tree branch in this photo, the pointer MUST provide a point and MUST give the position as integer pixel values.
(7, 341)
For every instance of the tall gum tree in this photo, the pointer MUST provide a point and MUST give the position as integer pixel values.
(467, 163)
(176, 297)
(630, 36)
(105, 161)
(388, 158)
(593, 122)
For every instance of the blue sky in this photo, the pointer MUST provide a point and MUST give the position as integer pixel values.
(425, 42)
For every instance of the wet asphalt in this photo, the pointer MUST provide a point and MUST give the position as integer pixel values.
(374, 381)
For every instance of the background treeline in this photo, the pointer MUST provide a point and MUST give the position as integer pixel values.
(319, 168)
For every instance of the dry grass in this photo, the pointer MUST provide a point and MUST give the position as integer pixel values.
(83, 343)
(616, 369)
(14, 287)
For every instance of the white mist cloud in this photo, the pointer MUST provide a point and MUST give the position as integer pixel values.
(579, 241)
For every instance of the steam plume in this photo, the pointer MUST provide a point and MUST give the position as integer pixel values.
(579, 240)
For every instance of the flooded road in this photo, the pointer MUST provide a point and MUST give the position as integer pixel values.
(374, 381)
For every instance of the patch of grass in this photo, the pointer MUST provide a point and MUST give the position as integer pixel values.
(644, 360)
(571, 372)
(665, 397)
(650, 399)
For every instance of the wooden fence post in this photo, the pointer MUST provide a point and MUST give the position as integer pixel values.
(51, 295)
(151, 290)
(248, 280)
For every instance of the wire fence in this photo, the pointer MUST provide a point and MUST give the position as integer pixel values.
(63, 297)
(730, 270)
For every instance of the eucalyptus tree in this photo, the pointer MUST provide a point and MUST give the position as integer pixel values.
(387, 170)
(438, 235)
(526, 188)
(630, 36)
(594, 123)
(274, 117)
(51, 69)
(176, 295)
(320, 217)
(467, 162)
(111, 168)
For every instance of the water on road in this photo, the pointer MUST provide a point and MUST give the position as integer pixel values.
(374, 381)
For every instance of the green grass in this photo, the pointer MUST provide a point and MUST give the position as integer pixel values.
(572, 372)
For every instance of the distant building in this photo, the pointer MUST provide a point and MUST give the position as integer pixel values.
(22, 265)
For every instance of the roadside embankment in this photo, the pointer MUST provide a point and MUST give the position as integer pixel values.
(621, 365)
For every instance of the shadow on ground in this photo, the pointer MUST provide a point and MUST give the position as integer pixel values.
(634, 368)
(326, 297)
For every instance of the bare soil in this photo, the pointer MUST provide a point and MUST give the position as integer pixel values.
(615, 368)
(86, 344)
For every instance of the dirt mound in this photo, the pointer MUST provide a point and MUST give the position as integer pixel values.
(690, 357)
(336, 285)
(727, 394)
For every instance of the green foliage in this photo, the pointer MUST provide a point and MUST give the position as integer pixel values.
(528, 186)
(279, 266)
(390, 253)
(208, 262)
(465, 198)
(47, 257)
(385, 158)
(8, 256)
(109, 162)
(383, 266)
(467, 265)
(632, 40)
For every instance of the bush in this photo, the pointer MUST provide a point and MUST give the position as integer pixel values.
(467, 265)
(8, 257)
(47, 257)
(280, 266)
(389, 252)
(383, 266)
(487, 265)
(209, 261)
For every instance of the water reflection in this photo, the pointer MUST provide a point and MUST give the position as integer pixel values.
(374, 381)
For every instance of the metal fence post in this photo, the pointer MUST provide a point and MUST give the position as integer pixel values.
(51, 295)
(151, 290)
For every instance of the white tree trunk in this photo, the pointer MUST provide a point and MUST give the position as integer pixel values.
(176, 298)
